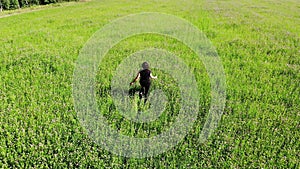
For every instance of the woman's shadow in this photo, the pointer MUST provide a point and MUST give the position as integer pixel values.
(132, 91)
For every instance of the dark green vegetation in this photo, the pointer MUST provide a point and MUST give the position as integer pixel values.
(258, 42)
(14, 4)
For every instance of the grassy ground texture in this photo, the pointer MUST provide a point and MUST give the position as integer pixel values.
(258, 42)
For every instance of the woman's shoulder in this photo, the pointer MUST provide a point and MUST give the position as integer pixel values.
(145, 70)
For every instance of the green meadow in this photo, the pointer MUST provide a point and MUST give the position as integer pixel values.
(257, 41)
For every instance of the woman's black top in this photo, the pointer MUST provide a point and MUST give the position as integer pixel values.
(145, 76)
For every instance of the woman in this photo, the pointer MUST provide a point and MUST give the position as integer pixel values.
(144, 75)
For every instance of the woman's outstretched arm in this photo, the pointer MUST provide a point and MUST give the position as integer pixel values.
(152, 77)
(135, 79)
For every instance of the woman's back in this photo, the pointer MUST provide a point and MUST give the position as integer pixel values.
(145, 75)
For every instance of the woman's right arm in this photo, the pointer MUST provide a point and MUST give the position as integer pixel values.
(152, 77)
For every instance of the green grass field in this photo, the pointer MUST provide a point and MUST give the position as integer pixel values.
(257, 41)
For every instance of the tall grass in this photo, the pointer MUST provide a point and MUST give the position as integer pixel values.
(258, 42)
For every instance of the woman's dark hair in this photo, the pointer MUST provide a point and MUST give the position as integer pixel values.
(145, 65)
